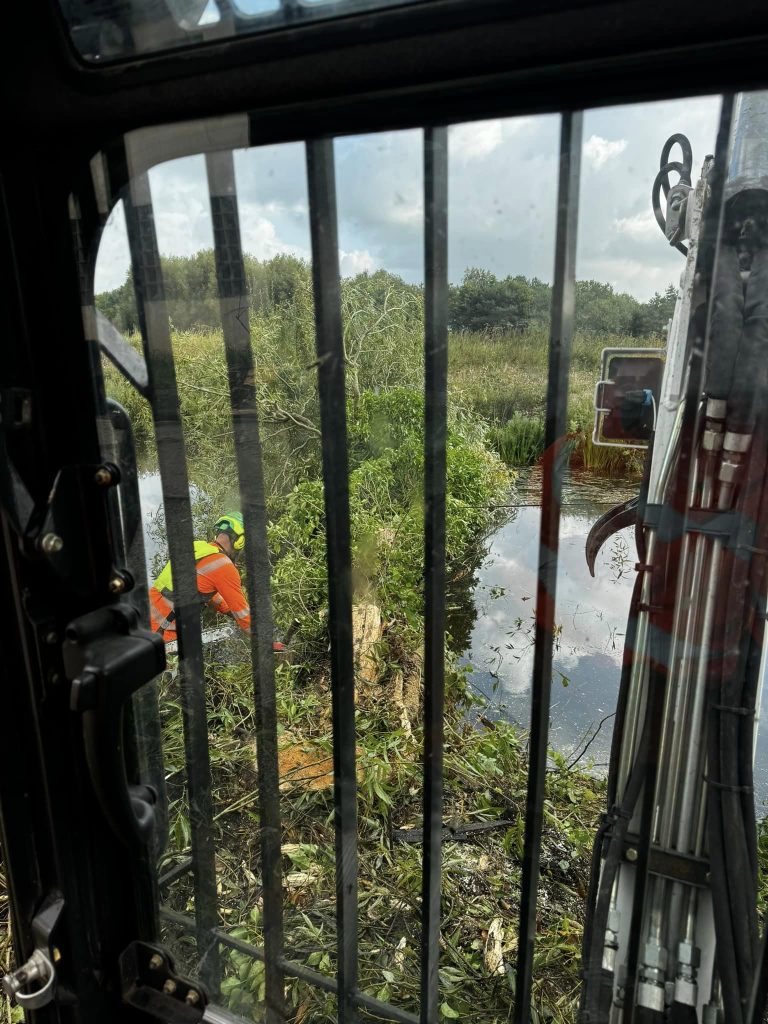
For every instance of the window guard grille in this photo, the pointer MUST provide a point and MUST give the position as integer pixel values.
(160, 374)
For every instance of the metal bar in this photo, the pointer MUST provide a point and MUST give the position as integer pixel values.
(121, 354)
(233, 299)
(331, 389)
(158, 353)
(554, 464)
(175, 872)
(292, 969)
(384, 1010)
(435, 414)
(759, 994)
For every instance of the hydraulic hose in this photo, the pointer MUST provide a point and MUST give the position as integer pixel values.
(726, 324)
(597, 992)
(662, 184)
(595, 999)
(630, 640)
(619, 722)
(750, 373)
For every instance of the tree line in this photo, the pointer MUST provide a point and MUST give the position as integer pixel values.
(482, 302)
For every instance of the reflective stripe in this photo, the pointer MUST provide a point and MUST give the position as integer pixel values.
(205, 570)
(243, 614)
(159, 619)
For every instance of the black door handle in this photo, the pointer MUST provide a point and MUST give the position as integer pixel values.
(108, 656)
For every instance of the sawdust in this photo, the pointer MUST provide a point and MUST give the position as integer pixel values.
(305, 764)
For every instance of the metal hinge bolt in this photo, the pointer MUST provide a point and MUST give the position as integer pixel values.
(105, 476)
(51, 544)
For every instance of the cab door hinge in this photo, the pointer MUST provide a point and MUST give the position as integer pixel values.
(151, 984)
(38, 973)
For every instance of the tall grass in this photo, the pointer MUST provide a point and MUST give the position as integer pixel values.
(518, 440)
(504, 379)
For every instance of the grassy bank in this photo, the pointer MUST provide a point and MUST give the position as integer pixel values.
(498, 380)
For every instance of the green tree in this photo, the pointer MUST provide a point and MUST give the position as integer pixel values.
(652, 317)
(541, 302)
(482, 302)
(601, 310)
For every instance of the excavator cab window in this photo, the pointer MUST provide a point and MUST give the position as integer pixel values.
(304, 303)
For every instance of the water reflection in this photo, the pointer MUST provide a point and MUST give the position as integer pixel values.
(591, 617)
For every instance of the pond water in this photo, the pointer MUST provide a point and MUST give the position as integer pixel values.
(591, 615)
(153, 523)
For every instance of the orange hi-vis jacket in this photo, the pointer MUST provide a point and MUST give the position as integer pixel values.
(218, 583)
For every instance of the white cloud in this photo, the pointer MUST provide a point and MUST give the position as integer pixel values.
(260, 234)
(356, 262)
(475, 140)
(638, 227)
(502, 199)
(408, 210)
(598, 151)
(640, 278)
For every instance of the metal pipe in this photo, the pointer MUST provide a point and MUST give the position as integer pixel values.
(435, 433)
(234, 305)
(171, 456)
(676, 696)
(331, 389)
(638, 684)
(561, 334)
(748, 161)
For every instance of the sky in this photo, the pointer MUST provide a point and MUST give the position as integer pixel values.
(502, 199)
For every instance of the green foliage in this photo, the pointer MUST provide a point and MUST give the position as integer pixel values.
(383, 338)
(520, 440)
(385, 488)
(280, 283)
(483, 302)
(372, 302)
(651, 319)
(510, 394)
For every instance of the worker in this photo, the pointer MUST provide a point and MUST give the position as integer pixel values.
(218, 581)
